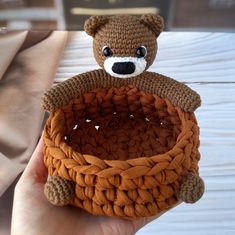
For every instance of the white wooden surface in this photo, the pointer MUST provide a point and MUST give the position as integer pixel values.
(206, 62)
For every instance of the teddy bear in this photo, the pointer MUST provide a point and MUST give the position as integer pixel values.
(125, 47)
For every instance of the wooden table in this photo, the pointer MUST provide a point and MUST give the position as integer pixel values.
(206, 63)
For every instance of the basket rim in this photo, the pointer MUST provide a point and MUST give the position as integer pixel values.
(184, 117)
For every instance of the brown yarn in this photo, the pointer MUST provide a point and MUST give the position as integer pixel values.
(59, 191)
(191, 189)
(137, 33)
(108, 31)
(94, 23)
(127, 150)
(154, 83)
(154, 22)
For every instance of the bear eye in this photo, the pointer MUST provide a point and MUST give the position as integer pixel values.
(107, 51)
(141, 51)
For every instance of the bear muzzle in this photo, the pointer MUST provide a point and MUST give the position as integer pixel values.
(123, 68)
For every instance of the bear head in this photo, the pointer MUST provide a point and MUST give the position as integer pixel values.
(125, 46)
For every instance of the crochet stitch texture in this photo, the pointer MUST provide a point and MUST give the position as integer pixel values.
(123, 147)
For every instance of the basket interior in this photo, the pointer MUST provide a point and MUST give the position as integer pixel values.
(120, 124)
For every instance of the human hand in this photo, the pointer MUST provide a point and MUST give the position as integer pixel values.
(34, 215)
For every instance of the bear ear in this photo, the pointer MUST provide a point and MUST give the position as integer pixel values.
(153, 22)
(93, 24)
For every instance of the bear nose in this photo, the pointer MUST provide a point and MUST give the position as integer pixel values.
(123, 67)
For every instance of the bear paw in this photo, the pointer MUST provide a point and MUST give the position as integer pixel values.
(191, 189)
(59, 191)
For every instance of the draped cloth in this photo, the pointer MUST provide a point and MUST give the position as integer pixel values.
(28, 64)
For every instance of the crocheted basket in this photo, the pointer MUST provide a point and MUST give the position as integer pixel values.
(126, 151)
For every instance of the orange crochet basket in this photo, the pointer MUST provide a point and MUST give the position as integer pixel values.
(125, 150)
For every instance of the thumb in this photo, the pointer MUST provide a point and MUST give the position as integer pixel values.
(36, 170)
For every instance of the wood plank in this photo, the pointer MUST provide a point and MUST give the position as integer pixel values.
(216, 120)
(187, 57)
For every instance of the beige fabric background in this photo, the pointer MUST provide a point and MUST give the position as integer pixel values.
(25, 74)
